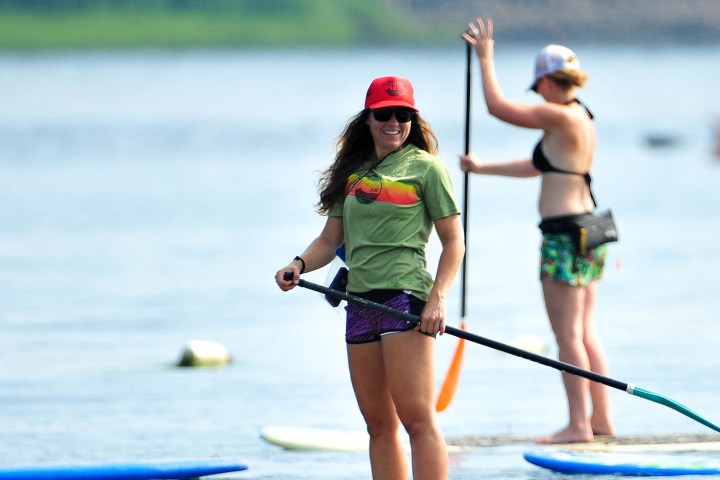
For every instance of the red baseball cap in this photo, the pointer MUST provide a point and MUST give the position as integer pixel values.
(390, 92)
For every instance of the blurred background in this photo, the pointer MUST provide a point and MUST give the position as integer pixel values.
(51, 24)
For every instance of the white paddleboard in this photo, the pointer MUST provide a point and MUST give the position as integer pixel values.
(327, 439)
(647, 447)
(308, 438)
(679, 442)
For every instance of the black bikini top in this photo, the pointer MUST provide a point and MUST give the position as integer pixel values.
(541, 162)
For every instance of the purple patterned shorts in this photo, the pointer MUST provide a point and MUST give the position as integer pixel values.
(364, 325)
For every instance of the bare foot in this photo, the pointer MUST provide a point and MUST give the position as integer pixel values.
(567, 435)
(602, 426)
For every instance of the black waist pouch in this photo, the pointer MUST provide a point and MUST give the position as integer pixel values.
(587, 231)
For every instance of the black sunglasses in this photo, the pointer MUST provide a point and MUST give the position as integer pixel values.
(402, 115)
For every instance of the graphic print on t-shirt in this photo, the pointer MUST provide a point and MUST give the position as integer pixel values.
(372, 188)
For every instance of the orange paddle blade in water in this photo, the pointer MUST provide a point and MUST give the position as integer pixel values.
(452, 378)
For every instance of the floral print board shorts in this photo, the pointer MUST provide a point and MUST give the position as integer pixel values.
(559, 260)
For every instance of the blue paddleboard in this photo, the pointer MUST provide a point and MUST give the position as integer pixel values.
(130, 470)
(614, 463)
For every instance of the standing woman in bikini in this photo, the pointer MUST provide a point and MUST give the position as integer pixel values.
(563, 157)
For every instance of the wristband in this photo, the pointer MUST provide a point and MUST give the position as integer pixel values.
(302, 263)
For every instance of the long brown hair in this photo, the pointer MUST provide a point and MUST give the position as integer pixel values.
(355, 146)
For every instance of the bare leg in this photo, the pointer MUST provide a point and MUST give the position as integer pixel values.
(409, 364)
(600, 420)
(565, 308)
(367, 372)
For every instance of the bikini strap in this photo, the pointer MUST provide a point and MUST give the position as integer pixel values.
(576, 100)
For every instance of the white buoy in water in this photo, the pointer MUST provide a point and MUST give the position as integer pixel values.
(529, 343)
(204, 353)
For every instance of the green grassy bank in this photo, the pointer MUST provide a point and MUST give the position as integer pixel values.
(300, 22)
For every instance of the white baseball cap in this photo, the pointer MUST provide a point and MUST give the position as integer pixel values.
(551, 59)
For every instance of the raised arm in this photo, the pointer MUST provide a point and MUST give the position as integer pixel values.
(542, 116)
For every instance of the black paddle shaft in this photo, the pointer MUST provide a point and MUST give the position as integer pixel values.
(466, 179)
(456, 332)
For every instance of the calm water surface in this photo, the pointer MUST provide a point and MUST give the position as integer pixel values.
(148, 198)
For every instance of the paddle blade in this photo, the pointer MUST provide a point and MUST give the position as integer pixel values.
(669, 402)
(447, 391)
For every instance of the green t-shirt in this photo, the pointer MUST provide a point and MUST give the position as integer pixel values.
(387, 218)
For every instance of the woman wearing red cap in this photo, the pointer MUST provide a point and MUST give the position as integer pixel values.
(383, 195)
(563, 158)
